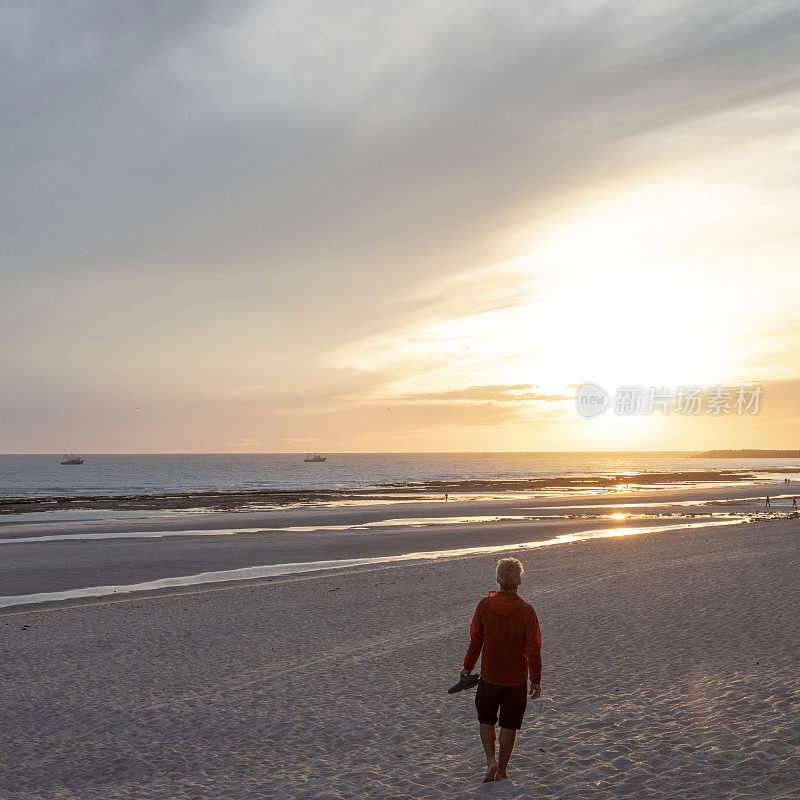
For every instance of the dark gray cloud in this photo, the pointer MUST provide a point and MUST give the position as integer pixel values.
(194, 136)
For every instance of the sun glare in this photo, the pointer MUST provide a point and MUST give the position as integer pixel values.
(626, 303)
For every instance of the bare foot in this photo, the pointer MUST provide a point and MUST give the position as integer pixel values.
(501, 776)
(491, 770)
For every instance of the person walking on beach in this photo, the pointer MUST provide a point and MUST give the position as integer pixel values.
(766, 503)
(506, 629)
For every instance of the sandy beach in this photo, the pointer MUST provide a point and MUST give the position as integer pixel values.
(670, 670)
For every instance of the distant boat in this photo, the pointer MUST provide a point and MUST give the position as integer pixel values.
(70, 461)
(315, 458)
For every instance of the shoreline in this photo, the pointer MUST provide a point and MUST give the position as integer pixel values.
(354, 509)
(44, 562)
(250, 499)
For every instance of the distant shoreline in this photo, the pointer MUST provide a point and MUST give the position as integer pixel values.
(748, 454)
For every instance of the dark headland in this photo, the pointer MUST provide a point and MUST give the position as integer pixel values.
(748, 454)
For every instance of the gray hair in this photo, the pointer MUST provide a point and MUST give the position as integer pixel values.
(509, 573)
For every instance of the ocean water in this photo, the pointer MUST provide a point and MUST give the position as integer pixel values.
(43, 475)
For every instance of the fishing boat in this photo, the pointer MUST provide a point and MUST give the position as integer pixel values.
(71, 461)
(315, 458)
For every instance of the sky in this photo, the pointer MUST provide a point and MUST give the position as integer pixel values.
(379, 226)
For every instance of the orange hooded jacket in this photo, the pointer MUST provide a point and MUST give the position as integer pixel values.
(506, 628)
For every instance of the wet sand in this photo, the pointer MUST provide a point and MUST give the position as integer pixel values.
(65, 554)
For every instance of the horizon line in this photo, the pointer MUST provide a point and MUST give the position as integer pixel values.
(404, 452)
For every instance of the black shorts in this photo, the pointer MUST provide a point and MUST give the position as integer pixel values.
(511, 700)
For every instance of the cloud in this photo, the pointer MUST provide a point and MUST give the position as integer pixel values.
(512, 393)
(199, 135)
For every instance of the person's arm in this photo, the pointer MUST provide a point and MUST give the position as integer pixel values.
(533, 649)
(475, 642)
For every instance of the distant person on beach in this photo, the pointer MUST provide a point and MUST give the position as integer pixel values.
(794, 502)
(506, 628)
(766, 503)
